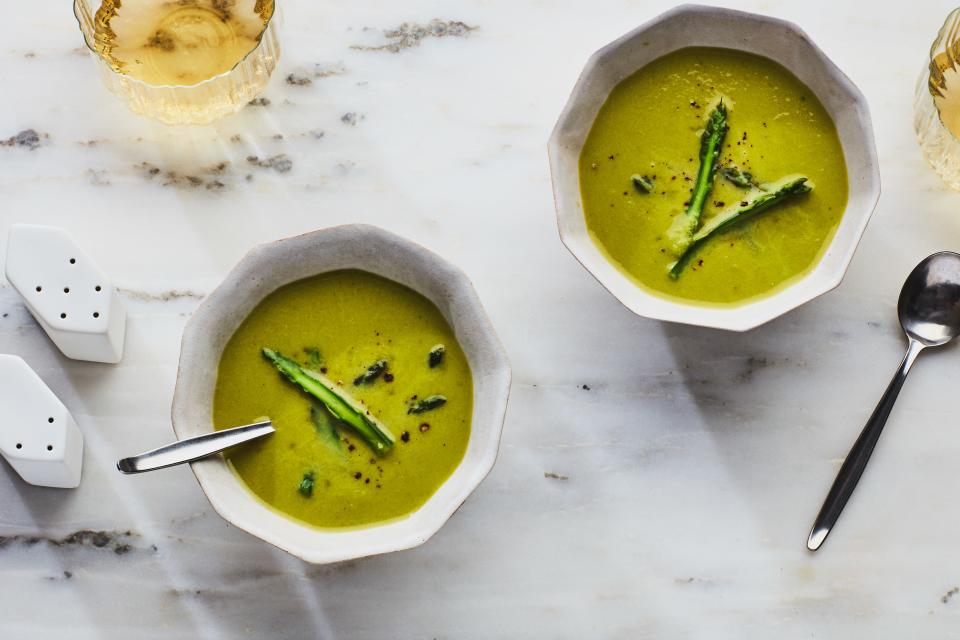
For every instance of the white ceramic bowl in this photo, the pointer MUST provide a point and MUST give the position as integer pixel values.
(694, 25)
(273, 265)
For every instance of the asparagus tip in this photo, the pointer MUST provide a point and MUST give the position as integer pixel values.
(435, 357)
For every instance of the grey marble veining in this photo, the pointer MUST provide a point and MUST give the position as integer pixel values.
(654, 481)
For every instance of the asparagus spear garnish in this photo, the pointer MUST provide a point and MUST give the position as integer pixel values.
(337, 402)
(743, 179)
(427, 404)
(435, 358)
(681, 231)
(759, 200)
(372, 373)
(643, 184)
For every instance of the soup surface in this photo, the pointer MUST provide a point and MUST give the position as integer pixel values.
(339, 324)
(651, 125)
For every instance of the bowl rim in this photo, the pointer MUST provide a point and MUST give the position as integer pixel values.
(269, 524)
(762, 309)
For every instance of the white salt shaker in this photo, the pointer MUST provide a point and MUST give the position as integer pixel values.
(66, 292)
(38, 436)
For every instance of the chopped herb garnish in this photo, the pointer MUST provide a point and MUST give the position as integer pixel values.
(373, 372)
(306, 484)
(427, 404)
(437, 352)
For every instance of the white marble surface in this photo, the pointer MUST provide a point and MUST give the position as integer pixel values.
(694, 463)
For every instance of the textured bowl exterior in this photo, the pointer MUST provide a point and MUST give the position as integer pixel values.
(273, 265)
(694, 25)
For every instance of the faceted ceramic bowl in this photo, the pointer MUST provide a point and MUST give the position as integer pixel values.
(693, 25)
(273, 265)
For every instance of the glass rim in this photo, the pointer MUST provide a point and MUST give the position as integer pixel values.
(128, 78)
(947, 35)
(943, 33)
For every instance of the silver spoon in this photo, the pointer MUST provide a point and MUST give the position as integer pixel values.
(194, 448)
(929, 310)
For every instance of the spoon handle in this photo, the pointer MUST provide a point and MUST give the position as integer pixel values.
(859, 455)
(194, 448)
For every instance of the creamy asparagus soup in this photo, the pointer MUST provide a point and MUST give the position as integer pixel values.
(713, 175)
(369, 392)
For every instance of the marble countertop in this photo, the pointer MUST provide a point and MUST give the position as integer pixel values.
(654, 481)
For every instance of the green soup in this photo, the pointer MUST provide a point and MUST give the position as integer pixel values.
(650, 125)
(339, 324)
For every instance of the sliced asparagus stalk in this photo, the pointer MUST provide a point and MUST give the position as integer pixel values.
(758, 201)
(337, 401)
(427, 404)
(315, 359)
(437, 352)
(326, 429)
(642, 184)
(306, 484)
(743, 179)
(373, 372)
(681, 231)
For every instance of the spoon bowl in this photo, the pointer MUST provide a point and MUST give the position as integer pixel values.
(929, 306)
